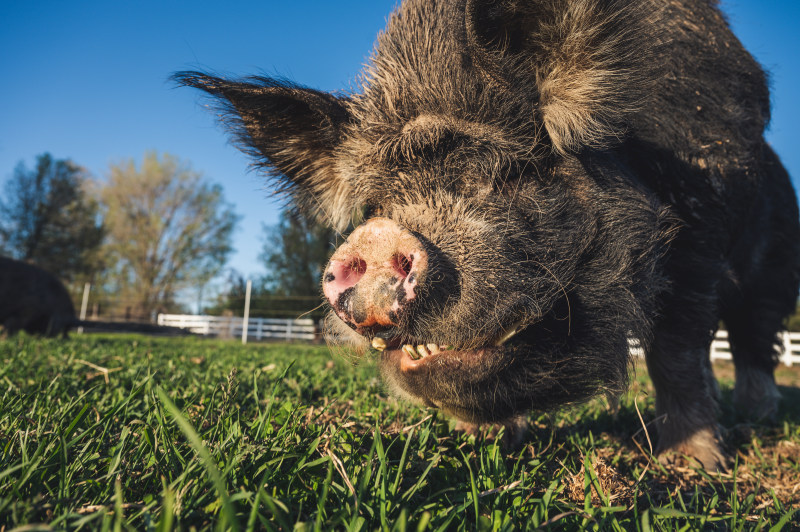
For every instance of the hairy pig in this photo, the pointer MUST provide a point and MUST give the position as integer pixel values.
(538, 182)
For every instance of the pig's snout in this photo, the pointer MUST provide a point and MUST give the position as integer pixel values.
(373, 278)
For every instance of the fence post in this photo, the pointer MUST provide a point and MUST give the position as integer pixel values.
(245, 320)
(84, 303)
(787, 349)
(289, 329)
(260, 331)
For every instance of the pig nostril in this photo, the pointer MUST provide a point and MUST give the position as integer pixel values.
(342, 275)
(402, 265)
(355, 270)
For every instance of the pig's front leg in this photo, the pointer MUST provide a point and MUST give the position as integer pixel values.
(680, 368)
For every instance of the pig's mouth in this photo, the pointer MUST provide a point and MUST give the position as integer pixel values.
(408, 360)
(524, 366)
(411, 357)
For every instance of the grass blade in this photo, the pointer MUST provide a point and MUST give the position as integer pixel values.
(205, 457)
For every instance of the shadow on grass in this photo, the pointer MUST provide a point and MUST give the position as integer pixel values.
(790, 403)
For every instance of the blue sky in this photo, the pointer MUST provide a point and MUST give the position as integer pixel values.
(88, 80)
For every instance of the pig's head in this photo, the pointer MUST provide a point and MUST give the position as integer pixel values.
(505, 252)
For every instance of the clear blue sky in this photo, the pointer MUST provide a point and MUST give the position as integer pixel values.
(87, 80)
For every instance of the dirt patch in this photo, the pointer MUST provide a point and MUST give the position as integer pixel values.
(767, 466)
(603, 481)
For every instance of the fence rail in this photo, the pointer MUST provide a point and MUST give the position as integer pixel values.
(721, 349)
(257, 328)
(304, 329)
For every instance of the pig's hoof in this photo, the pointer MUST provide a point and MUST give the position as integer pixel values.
(511, 439)
(472, 429)
(756, 395)
(701, 448)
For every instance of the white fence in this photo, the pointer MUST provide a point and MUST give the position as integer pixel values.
(721, 350)
(257, 328)
(304, 329)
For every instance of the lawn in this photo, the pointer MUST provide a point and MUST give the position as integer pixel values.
(139, 433)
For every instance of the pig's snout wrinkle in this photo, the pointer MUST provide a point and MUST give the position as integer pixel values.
(373, 278)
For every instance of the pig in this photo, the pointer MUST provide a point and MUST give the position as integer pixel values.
(531, 185)
(33, 300)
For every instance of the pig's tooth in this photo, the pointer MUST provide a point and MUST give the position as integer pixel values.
(423, 351)
(433, 348)
(506, 336)
(410, 351)
(509, 333)
(379, 343)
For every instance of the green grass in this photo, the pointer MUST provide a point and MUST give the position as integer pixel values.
(137, 433)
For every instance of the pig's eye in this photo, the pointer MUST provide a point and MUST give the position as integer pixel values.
(370, 211)
(508, 174)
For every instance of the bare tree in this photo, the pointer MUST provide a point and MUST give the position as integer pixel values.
(169, 229)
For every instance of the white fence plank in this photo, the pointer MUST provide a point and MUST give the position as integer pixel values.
(791, 349)
(257, 328)
(246, 318)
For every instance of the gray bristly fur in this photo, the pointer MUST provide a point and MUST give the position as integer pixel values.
(592, 169)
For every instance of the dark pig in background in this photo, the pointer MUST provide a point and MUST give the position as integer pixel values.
(33, 300)
(539, 181)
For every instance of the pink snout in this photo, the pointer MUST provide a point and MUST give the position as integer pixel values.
(373, 277)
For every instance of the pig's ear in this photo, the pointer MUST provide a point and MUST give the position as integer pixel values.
(291, 132)
(590, 61)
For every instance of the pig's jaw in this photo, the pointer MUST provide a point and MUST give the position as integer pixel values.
(544, 365)
(403, 359)
(421, 351)
(402, 371)
(411, 357)
(414, 356)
